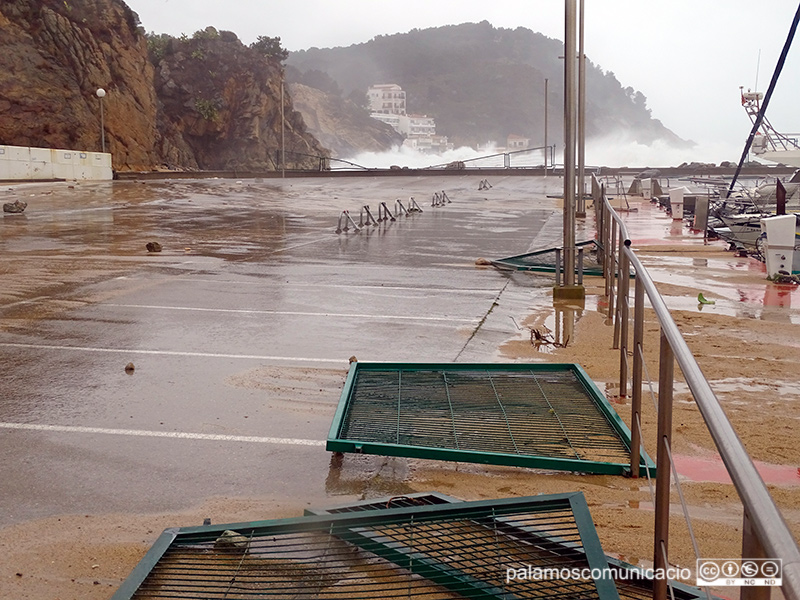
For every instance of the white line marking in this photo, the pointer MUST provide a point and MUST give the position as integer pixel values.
(28, 301)
(294, 313)
(165, 434)
(300, 245)
(172, 353)
(404, 288)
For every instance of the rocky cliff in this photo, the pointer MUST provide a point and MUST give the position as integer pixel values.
(54, 55)
(223, 99)
(341, 126)
(219, 103)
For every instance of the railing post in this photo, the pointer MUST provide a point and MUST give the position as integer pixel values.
(618, 305)
(622, 302)
(636, 392)
(558, 267)
(612, 271)
(666, 371)
(752, 548)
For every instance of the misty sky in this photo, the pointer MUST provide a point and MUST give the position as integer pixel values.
(688, 57)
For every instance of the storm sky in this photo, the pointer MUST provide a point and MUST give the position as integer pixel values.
(688, 57)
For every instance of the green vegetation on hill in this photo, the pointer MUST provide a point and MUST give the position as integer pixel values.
(482, 83)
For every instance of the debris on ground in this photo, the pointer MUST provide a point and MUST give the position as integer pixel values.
(15, 207)
(545, 338)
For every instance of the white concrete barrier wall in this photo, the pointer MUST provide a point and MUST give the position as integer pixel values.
(22, 163)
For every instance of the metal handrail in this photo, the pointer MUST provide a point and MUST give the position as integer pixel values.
(771, 530)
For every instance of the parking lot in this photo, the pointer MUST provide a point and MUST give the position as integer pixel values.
(239, 330)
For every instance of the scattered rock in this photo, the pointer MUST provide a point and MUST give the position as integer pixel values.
(483, 262)
(129, 368)
(353, 359)
(232, 542)
(153, 247)
(15, 207)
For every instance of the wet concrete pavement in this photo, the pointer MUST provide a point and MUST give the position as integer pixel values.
(241, 328)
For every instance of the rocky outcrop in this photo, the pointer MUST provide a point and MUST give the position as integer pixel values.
(223, 99)
(340, 125)
(209, 103)
(54, 55)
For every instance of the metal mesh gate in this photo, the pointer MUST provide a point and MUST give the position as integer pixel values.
(460, 550)
(544, 261)
(632, 582)
(536, 415)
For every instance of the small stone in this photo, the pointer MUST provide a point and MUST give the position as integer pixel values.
(352, 360)
(129, 368)
(153, 247)
(483, 262)
(15, 207)
(232, 542)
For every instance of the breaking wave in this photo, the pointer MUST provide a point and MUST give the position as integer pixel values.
(617, 150)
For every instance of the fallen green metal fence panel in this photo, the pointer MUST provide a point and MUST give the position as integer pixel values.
(632, 583)
(544, 261)
(541, 415)
(444, 551)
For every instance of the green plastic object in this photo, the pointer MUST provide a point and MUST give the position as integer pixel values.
(702, 299)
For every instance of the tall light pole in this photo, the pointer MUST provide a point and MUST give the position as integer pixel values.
(580, 210)
(570, 290)
(569, 140)
(101, 93)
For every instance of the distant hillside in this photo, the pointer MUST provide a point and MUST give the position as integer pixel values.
(483, 83)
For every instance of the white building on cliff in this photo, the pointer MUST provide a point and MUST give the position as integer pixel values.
(387, 103)
(387, 99)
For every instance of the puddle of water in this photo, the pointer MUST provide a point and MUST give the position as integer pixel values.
(712, 470)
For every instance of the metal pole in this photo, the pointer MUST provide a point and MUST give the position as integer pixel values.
(752, 548)
(636, 392)
(762, 111)
(622, 302)
(666, 372)
(580, 210)
(283, 135)
(569, 138)
(612, 273)
(618, 306)
(102, 128)
(546, 149)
